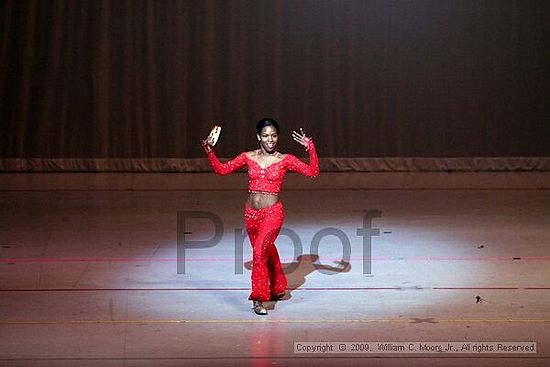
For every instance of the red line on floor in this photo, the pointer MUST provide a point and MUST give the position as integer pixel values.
(378, 258)
(476, 288)
(247, 289)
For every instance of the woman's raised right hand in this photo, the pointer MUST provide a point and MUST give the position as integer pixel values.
(207, 144)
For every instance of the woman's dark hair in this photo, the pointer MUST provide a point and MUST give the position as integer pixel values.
(266, 122)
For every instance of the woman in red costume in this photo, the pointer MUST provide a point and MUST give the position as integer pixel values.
(264, 213)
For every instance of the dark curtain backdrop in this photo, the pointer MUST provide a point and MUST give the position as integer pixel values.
(146, 79)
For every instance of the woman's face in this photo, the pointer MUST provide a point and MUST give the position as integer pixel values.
(268, 139)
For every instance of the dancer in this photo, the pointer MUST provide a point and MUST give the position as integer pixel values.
(264, 213)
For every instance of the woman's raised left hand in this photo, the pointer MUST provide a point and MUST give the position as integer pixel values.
(301, 137)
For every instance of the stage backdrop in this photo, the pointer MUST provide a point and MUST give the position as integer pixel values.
(135, 85)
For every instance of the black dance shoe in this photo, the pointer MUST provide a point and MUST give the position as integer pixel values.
(259, 308)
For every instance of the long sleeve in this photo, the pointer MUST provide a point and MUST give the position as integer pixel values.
(228, 167)
(309, 170)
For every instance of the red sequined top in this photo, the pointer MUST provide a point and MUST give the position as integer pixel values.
(270, 178)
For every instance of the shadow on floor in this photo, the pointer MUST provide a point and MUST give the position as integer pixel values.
(297, 271)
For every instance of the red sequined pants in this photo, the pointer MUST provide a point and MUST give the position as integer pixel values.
(263, 226)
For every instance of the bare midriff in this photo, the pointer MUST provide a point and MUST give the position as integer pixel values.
(258, 200)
